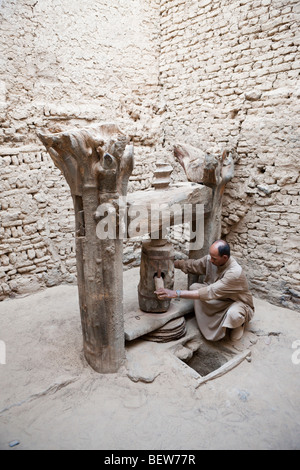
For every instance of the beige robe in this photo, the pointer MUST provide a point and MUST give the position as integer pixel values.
(225, 300)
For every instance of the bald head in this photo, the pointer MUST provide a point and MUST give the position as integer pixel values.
(219, 252)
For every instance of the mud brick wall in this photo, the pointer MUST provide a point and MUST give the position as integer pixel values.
(63, 65)
(72, 63)
(213, 74)
(37, 223)
(230, 78)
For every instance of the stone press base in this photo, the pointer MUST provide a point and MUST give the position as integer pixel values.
(159, 327)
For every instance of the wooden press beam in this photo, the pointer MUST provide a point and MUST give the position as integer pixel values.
(171, 201)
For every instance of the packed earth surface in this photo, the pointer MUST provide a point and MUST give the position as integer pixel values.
(52, 399)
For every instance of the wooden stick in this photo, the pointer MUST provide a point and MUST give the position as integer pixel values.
(231, 364)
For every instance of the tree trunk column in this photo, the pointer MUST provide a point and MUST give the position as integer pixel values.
(97, 163)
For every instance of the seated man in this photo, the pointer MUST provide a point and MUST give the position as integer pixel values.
(224, 300)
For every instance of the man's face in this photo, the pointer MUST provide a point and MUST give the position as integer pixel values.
(215, 258)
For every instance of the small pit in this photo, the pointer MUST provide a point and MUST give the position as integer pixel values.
(209, 358)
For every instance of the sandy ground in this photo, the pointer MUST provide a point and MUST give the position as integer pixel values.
(51, 399)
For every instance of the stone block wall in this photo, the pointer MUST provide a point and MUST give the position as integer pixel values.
(213, 74)
(72, 63)
(230, 77)
(37, 244)
(37, 223)
(67, 64)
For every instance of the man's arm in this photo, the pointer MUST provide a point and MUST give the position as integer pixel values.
(222, 288)
(172, 294)
(192, 266)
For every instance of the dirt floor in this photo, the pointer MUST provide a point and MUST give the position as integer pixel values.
(51, 399)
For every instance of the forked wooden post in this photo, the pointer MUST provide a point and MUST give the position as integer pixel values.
(96, 162)
(214, 172)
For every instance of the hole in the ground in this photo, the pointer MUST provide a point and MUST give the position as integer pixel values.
(207, 359)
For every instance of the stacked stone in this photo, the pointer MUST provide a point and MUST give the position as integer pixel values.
(173, 330)
(67, 66)
(37, 223)
(211, 74)
(229, 73)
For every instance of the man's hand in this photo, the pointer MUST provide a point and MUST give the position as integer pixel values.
(179, 263)
(163, 294)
